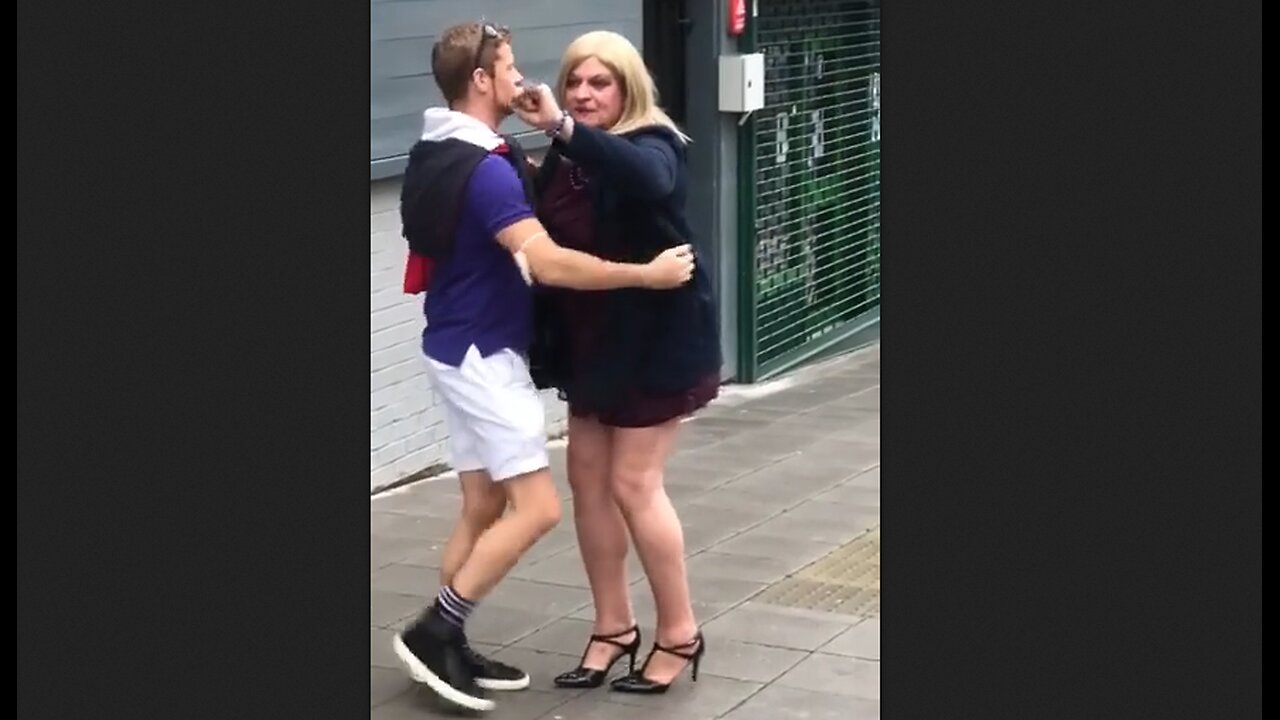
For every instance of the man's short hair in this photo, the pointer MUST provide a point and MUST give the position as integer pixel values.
(460, 50)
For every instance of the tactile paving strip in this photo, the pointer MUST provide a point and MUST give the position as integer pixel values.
(845, 581)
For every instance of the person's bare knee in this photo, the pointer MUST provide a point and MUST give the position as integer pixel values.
(484, 511)
(535, 510)
(634, 487)
(483, 501)
(534, 500)
(637, 459)
(589, 470)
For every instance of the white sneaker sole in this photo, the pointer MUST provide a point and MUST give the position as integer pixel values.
(489, 684)
(421, 673)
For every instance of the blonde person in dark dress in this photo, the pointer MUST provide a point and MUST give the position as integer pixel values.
(631, 364)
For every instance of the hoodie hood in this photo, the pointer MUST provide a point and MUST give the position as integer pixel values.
(439, 124)
(440, 166)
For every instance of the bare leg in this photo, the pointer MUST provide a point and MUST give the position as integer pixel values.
(602, 537)
(535, 511)
(638, 458)
(483, 502)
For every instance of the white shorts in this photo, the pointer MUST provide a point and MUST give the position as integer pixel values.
(494, 415)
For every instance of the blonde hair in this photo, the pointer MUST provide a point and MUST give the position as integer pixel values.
(640, 96)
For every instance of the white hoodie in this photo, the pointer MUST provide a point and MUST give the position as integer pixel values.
(442, 124)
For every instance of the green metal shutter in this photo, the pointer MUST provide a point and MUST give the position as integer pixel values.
(810, 182)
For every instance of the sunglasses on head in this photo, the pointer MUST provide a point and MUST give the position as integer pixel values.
(487, 32)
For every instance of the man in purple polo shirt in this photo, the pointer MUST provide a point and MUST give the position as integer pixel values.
(467, 215)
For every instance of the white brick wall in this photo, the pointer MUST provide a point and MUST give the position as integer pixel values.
(406, 428)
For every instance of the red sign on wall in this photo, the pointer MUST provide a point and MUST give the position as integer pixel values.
(737, 17)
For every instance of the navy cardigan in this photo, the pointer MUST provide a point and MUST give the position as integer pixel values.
(656, 342)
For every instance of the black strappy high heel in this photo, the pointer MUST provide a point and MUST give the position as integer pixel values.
(636, 682)
(584, 677)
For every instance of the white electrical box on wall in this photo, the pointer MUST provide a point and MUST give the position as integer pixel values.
(741, 83)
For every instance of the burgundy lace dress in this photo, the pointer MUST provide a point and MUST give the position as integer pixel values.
(565, 205)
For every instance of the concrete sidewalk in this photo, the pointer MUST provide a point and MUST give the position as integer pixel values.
(778, 488)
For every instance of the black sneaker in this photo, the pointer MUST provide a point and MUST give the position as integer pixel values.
(432, 651)
(493, 675)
